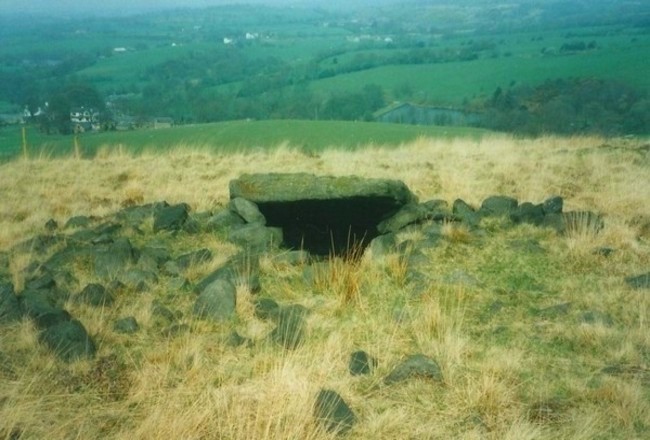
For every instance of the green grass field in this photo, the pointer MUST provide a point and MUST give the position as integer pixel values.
(451, 83)
(233, 136)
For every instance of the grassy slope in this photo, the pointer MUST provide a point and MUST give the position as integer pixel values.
(236, 135)
(512, 370)
(450, 83)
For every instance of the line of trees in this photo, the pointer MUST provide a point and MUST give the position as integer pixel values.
(569, 106)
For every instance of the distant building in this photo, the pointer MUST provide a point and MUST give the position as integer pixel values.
(84, 119)
(163, 122)
(407, 113)
(12, 118)
(125, 122)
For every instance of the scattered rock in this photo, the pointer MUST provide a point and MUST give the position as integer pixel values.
(417, 365)
(68, 340)
(528, 213)
(382, 245)
(409, 214)
(496, 206)
(51, 225)
(127, 325)
(361, 363)
(185, 261)
(438, 210)
(42, 306)
(80, 221)
(553, 205)
(639, 281)
(95, 295)
(138, 280)
(555, 221)
(465, 213)
(224, 220)
(247, 210)
(170, 218)
(255, 237)
(266, 308)
(38, 245)
(290, 331)
(333, 413)
(155, 252)
(138, 214)
(114, 259)
(234, 339)
(9, 305)
(242, 269)
(44, 282)
(161, 315)
(217, 301)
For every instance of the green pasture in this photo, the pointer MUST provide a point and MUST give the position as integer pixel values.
(231, 136)
(451, 83)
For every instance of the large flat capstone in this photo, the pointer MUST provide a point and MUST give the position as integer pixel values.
(323, 214)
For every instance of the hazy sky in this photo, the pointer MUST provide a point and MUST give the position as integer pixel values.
(73, 7)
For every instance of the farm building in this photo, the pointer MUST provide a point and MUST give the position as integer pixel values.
(407, 113)
(163, 122)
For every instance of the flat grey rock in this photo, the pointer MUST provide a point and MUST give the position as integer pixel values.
(417, 365)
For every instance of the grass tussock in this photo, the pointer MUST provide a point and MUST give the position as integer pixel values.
(536, 334)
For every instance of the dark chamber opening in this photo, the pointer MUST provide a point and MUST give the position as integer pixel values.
(329, 227)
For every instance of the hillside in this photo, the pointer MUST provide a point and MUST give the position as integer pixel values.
(535, 334)
(306, 62)
(230, 136)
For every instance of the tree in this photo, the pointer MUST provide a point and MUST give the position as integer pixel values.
(62, 101)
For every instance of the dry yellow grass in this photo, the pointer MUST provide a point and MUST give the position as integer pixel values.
(525, 372)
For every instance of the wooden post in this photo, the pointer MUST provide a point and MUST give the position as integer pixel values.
(24, 130)
(77, 152)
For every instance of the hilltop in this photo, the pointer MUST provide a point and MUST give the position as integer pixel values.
(534, 333)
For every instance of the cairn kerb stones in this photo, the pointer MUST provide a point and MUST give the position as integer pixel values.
(311, 216)
(323, 214)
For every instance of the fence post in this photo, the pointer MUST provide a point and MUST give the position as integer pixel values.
(24, 131)
(77, 152)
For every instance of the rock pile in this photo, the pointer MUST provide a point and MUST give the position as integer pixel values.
(307, 216)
